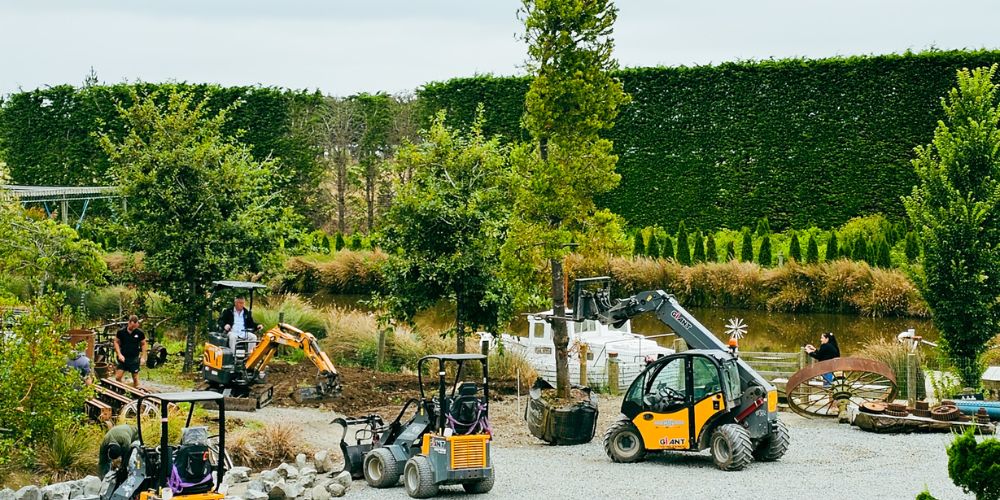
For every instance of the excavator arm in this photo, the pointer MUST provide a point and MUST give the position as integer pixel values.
(283, 334)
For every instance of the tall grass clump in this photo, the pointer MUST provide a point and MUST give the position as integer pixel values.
(354, 341)
(344, 272)
(267, 446)
(894, 354)
(70, 452)
(297, 312)
(508, 368)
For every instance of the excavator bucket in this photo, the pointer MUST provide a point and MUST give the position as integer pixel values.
(326, 388)
(366, 432)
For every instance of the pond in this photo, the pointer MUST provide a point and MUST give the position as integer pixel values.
(766, 331)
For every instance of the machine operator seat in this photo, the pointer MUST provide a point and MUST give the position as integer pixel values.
(465, 407)
(191, 470)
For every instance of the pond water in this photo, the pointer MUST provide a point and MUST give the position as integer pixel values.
(766, 331)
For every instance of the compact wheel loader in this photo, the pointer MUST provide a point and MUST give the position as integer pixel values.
(705, 398)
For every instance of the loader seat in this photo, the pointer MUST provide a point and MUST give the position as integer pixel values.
(465, 407)
(191, 471)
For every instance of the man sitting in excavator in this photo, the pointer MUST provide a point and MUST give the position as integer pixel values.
(238, 322)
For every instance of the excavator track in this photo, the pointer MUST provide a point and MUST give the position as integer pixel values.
(258, 397)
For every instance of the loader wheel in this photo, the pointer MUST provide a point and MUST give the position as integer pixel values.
(483, 485)
(623, 443)
(773, 446)
(418, 478)
(731, 447)
(381, 468)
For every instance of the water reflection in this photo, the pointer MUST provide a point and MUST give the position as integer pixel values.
(766, 331)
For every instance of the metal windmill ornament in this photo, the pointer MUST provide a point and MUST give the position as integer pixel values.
(736, 329)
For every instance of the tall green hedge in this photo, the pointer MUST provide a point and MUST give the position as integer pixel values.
(802, 142)
(47, 134)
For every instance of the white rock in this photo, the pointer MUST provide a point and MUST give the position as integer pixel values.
(88, 497)
(283, 491)
(91, 485)
(270, 476)
(75, 488)
(319, 492)
(58, 491)
(255, 495)
(343, 478)
(237, 475)
(7, 494)
(233, 497)
(319, 459)
(336, 489)
(300, 460)
(287, 471)
(28, 493)
(257, 485)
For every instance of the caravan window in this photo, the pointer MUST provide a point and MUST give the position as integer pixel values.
(538, 329)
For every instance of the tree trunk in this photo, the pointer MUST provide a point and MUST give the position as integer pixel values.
(459, 335)
(560, 335)
(370, 196)
(189, 348)
(341, 192)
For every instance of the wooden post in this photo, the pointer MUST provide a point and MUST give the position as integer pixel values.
(613, 373)
(803, 358)
(380, 356)
(911, 379)
(680, 345)
(484, 345)
(583, 364)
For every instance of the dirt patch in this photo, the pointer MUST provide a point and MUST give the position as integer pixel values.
(362, 391)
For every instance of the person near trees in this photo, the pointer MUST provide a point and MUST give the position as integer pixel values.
(828, 349)
(130, 350)
(238, 322)
(79, 362)
(116, 444)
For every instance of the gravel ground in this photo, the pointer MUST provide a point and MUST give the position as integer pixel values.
(826, 460)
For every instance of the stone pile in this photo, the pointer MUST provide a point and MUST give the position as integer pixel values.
(87, 488)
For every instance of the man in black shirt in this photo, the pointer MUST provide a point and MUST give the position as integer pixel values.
(130, 349)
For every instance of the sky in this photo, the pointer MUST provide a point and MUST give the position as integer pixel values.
(345, 47)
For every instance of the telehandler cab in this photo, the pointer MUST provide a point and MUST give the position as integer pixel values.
(689, 401)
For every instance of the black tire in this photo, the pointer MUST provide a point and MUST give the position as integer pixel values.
(483, 485)
(623, 442)
(418, 478)
(731, 447)
(774, 446)
(381, 468)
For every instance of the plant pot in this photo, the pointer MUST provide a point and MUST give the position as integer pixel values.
(102, 370)
(568, 424)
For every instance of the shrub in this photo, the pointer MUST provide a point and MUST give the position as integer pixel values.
(975, 465)
(683, 249)
(795, 249)
(699, 247)
(268, 446)
(881, 251)
(730, 251)
(812, 251)
(895, 354)
(764, 254)
(912, 247)
(297, 311)
(668, 248)
(763, 227)
(70, 452)
(654, 246)
(746, 249)
(638, 246)
(832, 252)
(339, 242)
(711, 254)
(860, 251)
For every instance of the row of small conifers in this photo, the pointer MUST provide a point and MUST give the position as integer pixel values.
(946, 411)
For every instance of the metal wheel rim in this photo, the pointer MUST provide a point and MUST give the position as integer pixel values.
(412, 477)
(375, 468)
(626, 444)
(855, 381)
(720, 448)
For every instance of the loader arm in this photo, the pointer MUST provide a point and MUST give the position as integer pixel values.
(287, 335)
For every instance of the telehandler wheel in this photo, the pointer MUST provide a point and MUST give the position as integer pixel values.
(623, 442)
(483, 485)
(418, 478)
(774, 446)
(381, 468)
(731, 447)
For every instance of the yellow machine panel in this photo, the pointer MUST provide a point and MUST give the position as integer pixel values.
(213, 356)
(663, 431)
(468, 452)
(150, 495)
(706, 409)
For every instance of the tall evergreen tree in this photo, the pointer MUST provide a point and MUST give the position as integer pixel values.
(912, 247)
(795, 249)
(882, 257)
(764, 255)
(699, 246)
(763, 227)
(638, 245)
(653, 250)
(812, 250)
(860, 250)
(746, 249)
(832, 252)
(340, 243)
(668, 248)
(683, 249)
(711, 254)
(730, 251)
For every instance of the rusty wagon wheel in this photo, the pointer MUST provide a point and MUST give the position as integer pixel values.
(855, 380)
(129, 412)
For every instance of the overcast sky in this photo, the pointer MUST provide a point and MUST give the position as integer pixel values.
(343, 47)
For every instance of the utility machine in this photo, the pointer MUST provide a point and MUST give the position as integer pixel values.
(445, 441)
(188, 470)
(702, 398)
(240, 371)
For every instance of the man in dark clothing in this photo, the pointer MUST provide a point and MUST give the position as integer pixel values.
(238, 322)
(116, 444)
(130, 349)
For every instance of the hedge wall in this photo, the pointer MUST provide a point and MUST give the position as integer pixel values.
(47, 135)
(802, 142)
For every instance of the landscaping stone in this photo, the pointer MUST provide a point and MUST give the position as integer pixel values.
(75, 488)
(88, 497)
(336, 489)
(258, 485)
(282, 491)
(7, 494)
(319, 492)
(300, 460)
(58, 491)
(287, 471)
(320, 459)
(255, 495)
(236, 475)
(270, 476)
(91, 485)
(344, 479)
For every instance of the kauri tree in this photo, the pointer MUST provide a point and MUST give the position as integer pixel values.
(571, 100)
(954, 209)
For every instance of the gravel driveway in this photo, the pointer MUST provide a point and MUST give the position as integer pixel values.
(826, 461)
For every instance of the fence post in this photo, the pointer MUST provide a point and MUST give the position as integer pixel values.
(803, 358)
(680, 345)
(911, 379)
(380, 356)
(584, 348)
(613, 373)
